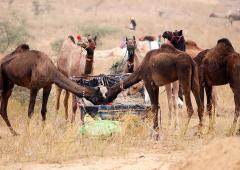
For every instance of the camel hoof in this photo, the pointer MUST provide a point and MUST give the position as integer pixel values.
(238, 132)
(15, 134)
(211, 131)
(198, 134)
(156, 137)
(82, 123)
(180, 103)
(230, 133)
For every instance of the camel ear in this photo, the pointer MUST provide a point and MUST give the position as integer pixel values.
(180, 32)
(72, 39)
(95, 38)
(97, 89)
(126, 39)
(134, 38)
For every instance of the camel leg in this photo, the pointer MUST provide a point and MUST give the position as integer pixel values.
(237, 109)
(58, 96)
(189, 109)
(175, 105)
(33, 95)
(4, 102)
(46, 92)
(170, 103)
(202, 94)
(185, 81)
(198, 98)
(209, 107)
(180, 93)
(153, 92)
(214, 102)
(74, 109)
(65, 102)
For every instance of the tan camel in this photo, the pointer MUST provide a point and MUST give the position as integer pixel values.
(232, 15)
(161, 67)
(34, 70)
(73, 62)
(218, 66)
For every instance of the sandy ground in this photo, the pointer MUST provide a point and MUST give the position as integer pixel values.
(141, 161)
(219, 154)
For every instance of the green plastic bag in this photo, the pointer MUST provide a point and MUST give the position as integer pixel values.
(100, 128)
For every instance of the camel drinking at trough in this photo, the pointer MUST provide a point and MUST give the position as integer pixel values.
(72, 62)
(34, 70)
(161, 67)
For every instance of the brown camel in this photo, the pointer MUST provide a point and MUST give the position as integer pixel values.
(218, 66)
(34, 70)
(232, 15)
(176, 38)
(193, 50)
(132, 60)
(131, 65)
(161, 67)
(72, 62)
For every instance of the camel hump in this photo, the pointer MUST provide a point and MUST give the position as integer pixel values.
(191, 43)
(22, 48)
(212, 15)
(147, 38)
(225, 43)
(168, 48)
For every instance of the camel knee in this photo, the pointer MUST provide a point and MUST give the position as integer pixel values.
(190, 112)
(155, 108)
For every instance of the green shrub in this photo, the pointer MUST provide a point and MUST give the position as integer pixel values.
(98, 30)
(56, 45)
(117, 67)
(13, 33)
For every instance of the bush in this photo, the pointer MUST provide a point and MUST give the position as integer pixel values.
(117, 67)
(56, 45)
(13, 33)
(98, 30)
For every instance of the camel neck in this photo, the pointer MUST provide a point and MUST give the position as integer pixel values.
(89, 64)
(130, 61)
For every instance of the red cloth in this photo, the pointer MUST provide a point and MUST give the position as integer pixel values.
(78, 37)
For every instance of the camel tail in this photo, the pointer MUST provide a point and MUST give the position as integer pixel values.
(194, 77)
(1, 80)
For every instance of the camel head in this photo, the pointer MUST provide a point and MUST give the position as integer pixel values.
(225, 44)
(131, 46)
(96, 97)
(88, 43)
(176, 38)
(112, 93)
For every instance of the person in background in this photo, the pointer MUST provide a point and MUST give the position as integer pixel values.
(133, 24)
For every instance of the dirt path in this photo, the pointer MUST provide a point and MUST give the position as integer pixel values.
(140, 161)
